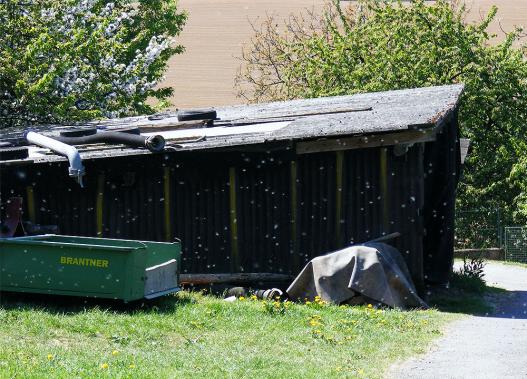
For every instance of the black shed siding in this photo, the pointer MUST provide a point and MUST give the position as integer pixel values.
(287, 208)
(247, 201)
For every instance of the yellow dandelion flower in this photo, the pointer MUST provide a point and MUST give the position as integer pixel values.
(319, 300)
(115, 353)
(314, 323)
(241, 298)
(253, 297)
(308, 302)
(50, 357)
(132, 366)
(370, 306)
(104, 366)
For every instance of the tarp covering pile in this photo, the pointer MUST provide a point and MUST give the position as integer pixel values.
(373, 270)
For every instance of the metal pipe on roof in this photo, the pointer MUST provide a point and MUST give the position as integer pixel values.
(154, 143)
(76, 169)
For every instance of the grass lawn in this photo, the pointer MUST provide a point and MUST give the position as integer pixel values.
(193, 335)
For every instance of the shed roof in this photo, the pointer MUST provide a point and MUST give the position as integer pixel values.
(295, 120)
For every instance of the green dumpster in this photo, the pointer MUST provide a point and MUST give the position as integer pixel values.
(95, 267)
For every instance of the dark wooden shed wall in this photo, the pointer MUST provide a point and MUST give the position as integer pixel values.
(238, 212)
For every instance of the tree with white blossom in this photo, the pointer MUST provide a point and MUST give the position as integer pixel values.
(69, 60)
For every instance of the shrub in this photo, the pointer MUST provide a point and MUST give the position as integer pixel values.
(67, 60)
(473, 267)
(385, 45)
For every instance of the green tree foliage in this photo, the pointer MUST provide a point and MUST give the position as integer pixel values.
(384, 45)
(66, 60)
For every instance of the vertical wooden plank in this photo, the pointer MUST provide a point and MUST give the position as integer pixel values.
(99, 205)
(418, 177)
(235, 257)
(383, 180)
(30, 194)
(167, 204)
(294, 214)
(339, 169)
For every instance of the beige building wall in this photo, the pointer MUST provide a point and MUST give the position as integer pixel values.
(217, 29)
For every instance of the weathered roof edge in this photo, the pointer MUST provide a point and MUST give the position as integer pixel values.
(359, 114)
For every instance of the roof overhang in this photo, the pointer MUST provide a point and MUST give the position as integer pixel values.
(311, 125)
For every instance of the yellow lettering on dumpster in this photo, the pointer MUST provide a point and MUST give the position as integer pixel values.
(89, 262)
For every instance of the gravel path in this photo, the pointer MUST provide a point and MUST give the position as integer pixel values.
(491, 346)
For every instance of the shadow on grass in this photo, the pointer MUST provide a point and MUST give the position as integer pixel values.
(455, 301)
(467, 295)
(56, 304)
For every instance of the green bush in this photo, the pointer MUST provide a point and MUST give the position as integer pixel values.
(67, 60)
(385, 45)
(471, 275)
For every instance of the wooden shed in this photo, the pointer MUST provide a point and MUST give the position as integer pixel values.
(269, 186)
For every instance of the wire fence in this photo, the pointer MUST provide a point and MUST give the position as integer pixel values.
(479, 228)
(489, 228)
(516, 243)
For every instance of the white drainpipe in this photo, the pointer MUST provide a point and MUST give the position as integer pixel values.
(76, 169)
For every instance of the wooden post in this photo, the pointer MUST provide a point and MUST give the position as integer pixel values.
(339, 169)
(99, 205)
(31, 204)
(383, 180)
(235, 258)
(294, 213)
(167, 205)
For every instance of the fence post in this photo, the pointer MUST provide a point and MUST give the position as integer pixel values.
(500, 241)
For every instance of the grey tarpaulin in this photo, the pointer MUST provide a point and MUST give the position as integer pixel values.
(373, 269)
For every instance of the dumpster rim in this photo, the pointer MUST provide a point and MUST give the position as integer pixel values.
(90, 247)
